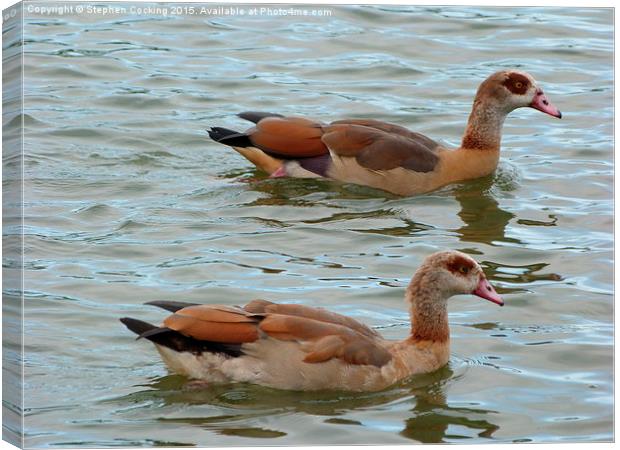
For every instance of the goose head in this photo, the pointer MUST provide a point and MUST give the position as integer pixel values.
(445, 274)
(508, 90)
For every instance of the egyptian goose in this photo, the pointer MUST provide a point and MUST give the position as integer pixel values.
(298, 347)
(384, 155)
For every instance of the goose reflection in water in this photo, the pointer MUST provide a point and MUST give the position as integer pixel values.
(433, 418)
(484, 220)
(233, 409)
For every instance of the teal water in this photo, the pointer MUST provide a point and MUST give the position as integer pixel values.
(127, 201)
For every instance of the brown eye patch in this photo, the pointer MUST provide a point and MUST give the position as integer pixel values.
(460, 266)
(517, 83)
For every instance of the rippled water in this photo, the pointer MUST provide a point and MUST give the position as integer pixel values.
(128, 201)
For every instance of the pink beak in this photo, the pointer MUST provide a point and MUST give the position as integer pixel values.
(486, 291)
(542, 103)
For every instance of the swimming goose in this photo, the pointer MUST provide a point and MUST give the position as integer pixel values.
(298, 347)
(384, 155)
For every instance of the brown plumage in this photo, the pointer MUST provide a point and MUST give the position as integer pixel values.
(216, 323)
(379, 150)
(384, 155)
(288, 136)
(294, 346)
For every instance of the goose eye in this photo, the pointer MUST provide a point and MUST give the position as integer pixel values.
(464, 270)
(518, 85)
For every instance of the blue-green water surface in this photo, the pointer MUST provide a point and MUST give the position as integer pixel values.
(127, 200)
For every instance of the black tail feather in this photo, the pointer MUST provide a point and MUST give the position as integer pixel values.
(137, 326)
(235, 138)
(219, 133)
(256, 116)
(176, 341)
(170, 305)
(229, 137)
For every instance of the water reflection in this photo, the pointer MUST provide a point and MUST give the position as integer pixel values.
(305, 191)
(485, 221)
(433, 418)
(365, 210)
(520, 274)
(236, 409)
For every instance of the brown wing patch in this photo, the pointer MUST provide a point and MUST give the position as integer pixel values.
(320, 314)
(324, 349)
(324, 341)
(288, 136)
(216, 313)
(216, 323)
(377, 150)
(358, 351)
(517, 83)
(391, 128)
(293, 328)
(257, 306)
(349, 140)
